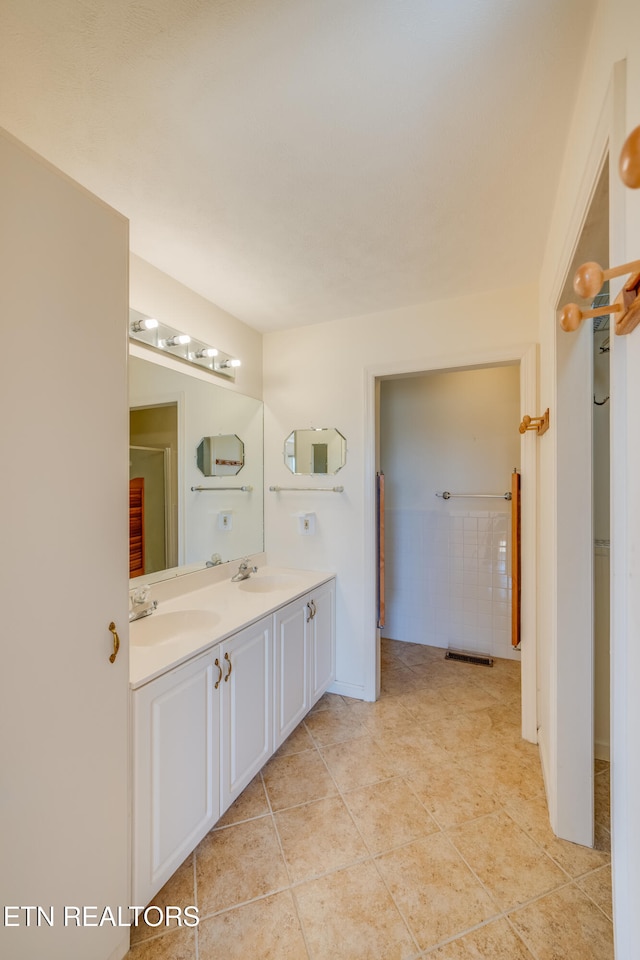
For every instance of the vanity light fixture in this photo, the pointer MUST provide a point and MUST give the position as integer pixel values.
(155, 335)
(204, 353)
(144, 324)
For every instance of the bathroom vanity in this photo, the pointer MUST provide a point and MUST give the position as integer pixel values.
(220, 676)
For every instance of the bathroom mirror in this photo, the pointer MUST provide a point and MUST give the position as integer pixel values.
(221, 456)
(175, 529)
(318, 450)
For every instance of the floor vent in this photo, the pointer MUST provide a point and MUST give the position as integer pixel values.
(469, 658)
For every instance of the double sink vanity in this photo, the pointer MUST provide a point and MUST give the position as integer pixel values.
(221, 673)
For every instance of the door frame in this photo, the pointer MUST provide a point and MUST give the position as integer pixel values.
(526, 356)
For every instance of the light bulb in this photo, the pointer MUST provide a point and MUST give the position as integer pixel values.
(179, 340)
(139, 326)
(205, 353)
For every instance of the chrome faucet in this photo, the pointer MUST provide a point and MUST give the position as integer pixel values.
(139, 603)
(244, 570)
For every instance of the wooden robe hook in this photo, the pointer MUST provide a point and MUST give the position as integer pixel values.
(571, 316)
(589, 277)
(629, 164)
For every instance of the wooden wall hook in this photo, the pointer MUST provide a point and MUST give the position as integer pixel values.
(589, 277)
(571, 316)
(629, 164)
(539, 424)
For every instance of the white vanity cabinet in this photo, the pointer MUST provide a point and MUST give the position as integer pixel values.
(202, 730)
(304, 656)
(246, 704)
(291, 668)
(321, 643)
(176, 770)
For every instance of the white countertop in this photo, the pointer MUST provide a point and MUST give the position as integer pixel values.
(201, 618)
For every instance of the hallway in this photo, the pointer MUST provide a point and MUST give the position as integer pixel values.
(412, 827)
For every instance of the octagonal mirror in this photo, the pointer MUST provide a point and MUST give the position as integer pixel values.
(221, 456)
(319, 450)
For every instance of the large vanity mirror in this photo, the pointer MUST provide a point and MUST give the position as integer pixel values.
(174, 528)
(318, 450)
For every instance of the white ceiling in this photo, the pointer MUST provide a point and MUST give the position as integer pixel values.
(296, 161)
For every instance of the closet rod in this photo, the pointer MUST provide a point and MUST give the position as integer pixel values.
(307, 489)
(215, 489)
(487, 496)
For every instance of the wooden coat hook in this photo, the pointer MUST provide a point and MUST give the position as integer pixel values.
(539, 424)
(588, 281)
(629, 164)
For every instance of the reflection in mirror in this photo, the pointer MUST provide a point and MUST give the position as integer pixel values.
(173, 529)
(221, 456)
(319, 450)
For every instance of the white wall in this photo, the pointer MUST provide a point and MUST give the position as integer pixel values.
(155, 294)
(319, 376)
(610, 85)
(448, 562)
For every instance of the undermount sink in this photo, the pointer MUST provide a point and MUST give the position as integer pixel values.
(174, 625)
(269, 583)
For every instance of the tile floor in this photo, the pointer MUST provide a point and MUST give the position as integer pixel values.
(409, 828)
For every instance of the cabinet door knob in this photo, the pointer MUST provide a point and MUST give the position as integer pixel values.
(228, 673)
(116, 642)
(310, 617)
(215, 686)
(313, 604)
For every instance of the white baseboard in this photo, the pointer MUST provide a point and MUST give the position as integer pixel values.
(356, 691)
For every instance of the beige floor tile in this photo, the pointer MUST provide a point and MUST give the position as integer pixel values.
(318, 837)
(597, 885)
(349, 915)
(508, 862)
(533, 817)
(463, 733)
(602, 838)
(420, 653)
(565, 924)
(397, 682)
(432, 703)
(602, 799)
(333, 726)
(299, 778)
(356, 763)
(434, 889)
(389, 814)
(508, 772)
(178, 891)
(494, 941)
(251, 803)
(238, 863)
(297, 742)
(174, 945)
(452, 794)
(328, 701)
(412, 751)
(268, 928)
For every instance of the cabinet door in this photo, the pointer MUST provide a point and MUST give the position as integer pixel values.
(176, 771)
(247, 706)
(290, 660)
(321, 640)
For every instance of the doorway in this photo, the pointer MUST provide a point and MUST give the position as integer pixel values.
(449, 442)
(525, 357)
(153, 454)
